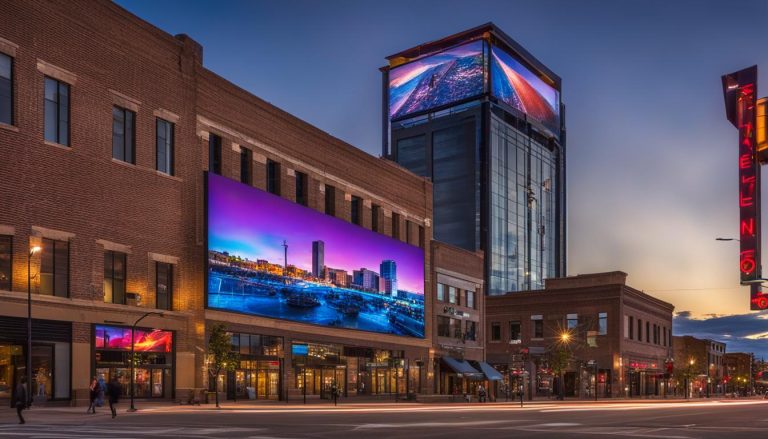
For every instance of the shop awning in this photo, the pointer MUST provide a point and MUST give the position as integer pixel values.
(462, 367)
(490, 373)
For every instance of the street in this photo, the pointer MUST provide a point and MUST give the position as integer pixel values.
(656, 419)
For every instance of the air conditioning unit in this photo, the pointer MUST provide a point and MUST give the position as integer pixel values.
(133, 299)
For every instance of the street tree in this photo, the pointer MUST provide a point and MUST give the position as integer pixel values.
(220, 355)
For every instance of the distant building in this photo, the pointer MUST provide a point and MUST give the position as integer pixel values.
(739, 372)
(338, 277)
(366, 279)
(700, 363)
(388, 271)
(318, 258)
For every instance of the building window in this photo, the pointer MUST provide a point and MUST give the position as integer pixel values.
(631, 327)
(514, 330)
(572, 321)
(456, 328)
(6, 266)
(422, 241)
(443, 326)
(375, 212)
(602, 323)
(647, 332)
(123, 137)
(114, 277)
(470, 333)
(330, 200)
(56, 111)
(495, 331)
(6, 89)
(639, 330)
(165, 146)
(664, 335)
(396, 225)
(214, 153)
(164, 286)
(54, 268)
(302, 188)
(357, 210)
(452, 295)
(538, 328)
(470, 299)
(440, 292)
(246, 166)
(273, 177)
(408, 231)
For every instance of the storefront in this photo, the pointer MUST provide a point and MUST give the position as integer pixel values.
(318, 368)
(458, 377)
(154, 354)
(643, 378)
(51, 358)
(260, 370)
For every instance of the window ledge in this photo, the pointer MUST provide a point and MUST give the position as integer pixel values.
(13, 128)
(58, 145)
(142, 168)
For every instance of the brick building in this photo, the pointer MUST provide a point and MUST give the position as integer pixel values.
(699, 362)
(107, 126)
(592, 332)
(739, 372)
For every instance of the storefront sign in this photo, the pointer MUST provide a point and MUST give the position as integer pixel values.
(740, 91)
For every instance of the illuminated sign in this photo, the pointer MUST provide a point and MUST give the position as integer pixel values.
(274, 258)
(740, 91)
(119, 338)
(436, 80)
(761, 132)
(520, 88)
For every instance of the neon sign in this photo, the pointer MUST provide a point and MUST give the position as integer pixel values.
(740, 91)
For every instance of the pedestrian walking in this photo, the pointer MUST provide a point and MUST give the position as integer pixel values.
(93, 393)
(114, 390)
(102, 391)
(481, 393)
(21, 398)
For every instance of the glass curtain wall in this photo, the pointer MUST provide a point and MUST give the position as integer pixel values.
(522, 210)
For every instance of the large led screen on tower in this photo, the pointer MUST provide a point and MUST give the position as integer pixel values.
(270, 257)
(518, 87)
(436, 80)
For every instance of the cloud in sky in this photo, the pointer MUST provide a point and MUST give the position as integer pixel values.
(740, 332)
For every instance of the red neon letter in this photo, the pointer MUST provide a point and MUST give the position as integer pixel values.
(747, 263)
(745, 201)
(748, 226)
(745, 161)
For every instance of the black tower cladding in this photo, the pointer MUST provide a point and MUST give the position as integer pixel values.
(482, 118)
(318, 258)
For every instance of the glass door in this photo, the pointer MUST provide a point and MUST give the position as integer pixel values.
(261, 384)
(157, 383)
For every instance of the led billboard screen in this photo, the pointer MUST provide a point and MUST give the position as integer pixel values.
(119, 338)
(518, 87)
(274, 258)
(436, 80)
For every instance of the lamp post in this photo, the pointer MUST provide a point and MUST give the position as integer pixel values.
(133, 353)
(565, 338)
(32, 252)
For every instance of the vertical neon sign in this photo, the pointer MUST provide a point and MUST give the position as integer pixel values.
(740, 92)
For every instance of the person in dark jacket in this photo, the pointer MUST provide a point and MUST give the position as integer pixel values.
(21, 398)
(114, 389)
(93, 394)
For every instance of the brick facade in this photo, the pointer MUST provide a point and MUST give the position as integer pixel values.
(81, 194)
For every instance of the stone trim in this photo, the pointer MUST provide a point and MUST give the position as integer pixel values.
(7, 230)
(55, 72)
(163, 258)
(42, 232)
(8, 47)
(347, 196)
(113, 246)
(170, 116)
(259, 158)
(124, 101)
(236, 148)
(290, 172)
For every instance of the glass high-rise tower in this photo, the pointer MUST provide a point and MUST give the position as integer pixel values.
(482, 118)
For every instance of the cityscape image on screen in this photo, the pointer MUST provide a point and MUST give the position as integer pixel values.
(521, 89)
(274, 258)
(436, 80)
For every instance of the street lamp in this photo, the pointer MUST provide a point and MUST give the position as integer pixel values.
(32, 252)
(133, 355)
(565, 338)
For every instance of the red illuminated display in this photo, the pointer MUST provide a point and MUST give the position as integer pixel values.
(114, 337)
(740, 92)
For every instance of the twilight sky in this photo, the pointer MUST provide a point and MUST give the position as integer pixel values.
(651, 159)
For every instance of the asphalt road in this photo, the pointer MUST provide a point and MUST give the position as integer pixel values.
(709, 419)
